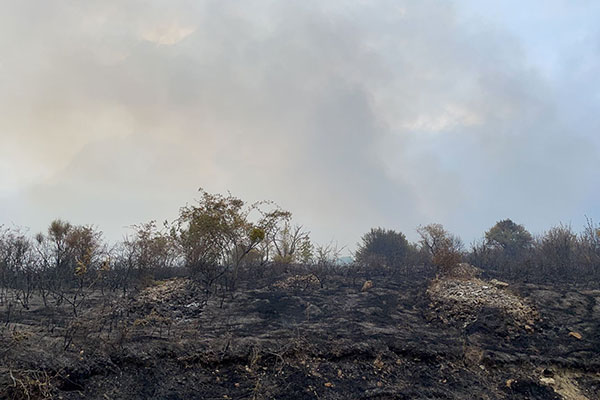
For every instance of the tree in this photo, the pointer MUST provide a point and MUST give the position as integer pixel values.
(217, 233)
(291, 244)
(325, 259)
(58, 232)
(383, 248)
(306, 252)
(506, 247)
(84, 245)
(17, 267)
(512, 238)
(143, 252)
(444, 248)
(589, 247)
(69, 262)
(557, 250)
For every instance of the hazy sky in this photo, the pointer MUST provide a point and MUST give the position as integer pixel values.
(350, 114)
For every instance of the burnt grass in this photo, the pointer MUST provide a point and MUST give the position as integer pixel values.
(305, 342)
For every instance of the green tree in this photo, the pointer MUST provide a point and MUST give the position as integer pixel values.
(512, 238)
(383, 248)
(506, 247)
(218, 232)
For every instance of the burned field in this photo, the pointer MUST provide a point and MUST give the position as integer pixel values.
(296, 337)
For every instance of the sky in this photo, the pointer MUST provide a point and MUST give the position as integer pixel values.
(351, 114)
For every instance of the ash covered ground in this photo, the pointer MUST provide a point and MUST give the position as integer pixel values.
(410, 336)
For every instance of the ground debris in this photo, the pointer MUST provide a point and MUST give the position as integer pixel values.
(462, 299)
(298, 282)
(275, 341)
(174, 298)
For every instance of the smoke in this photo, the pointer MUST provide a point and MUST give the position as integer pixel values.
(351, 115)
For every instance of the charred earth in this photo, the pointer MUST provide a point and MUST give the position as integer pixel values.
(410, 336)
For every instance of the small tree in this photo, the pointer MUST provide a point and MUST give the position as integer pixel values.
(557, 251)
(68, 262)
(444, 248)
(509, 236)
(143, 252)
(383, 248)
(60, 262)
(306, 251)
(289, 243)
(17, 267)
(589, 248)
(507, 245)
(326, 259)
(216, 234)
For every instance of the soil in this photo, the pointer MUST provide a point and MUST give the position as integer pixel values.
(407, 337)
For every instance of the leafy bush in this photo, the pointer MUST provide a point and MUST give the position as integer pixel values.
(383, 248)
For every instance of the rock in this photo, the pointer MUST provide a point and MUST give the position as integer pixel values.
(378, 363)
(498, 284)
(576, 335)
(366, 286)
(547, 381)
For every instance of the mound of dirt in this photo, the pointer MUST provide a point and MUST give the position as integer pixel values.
(463, 299)
(177, 297)
(461, 271)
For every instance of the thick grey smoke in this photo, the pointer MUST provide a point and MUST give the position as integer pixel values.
(349, 114)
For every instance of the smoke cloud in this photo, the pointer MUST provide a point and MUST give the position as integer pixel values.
(349, 114)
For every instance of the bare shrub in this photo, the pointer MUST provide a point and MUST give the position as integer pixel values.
(443, 248)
